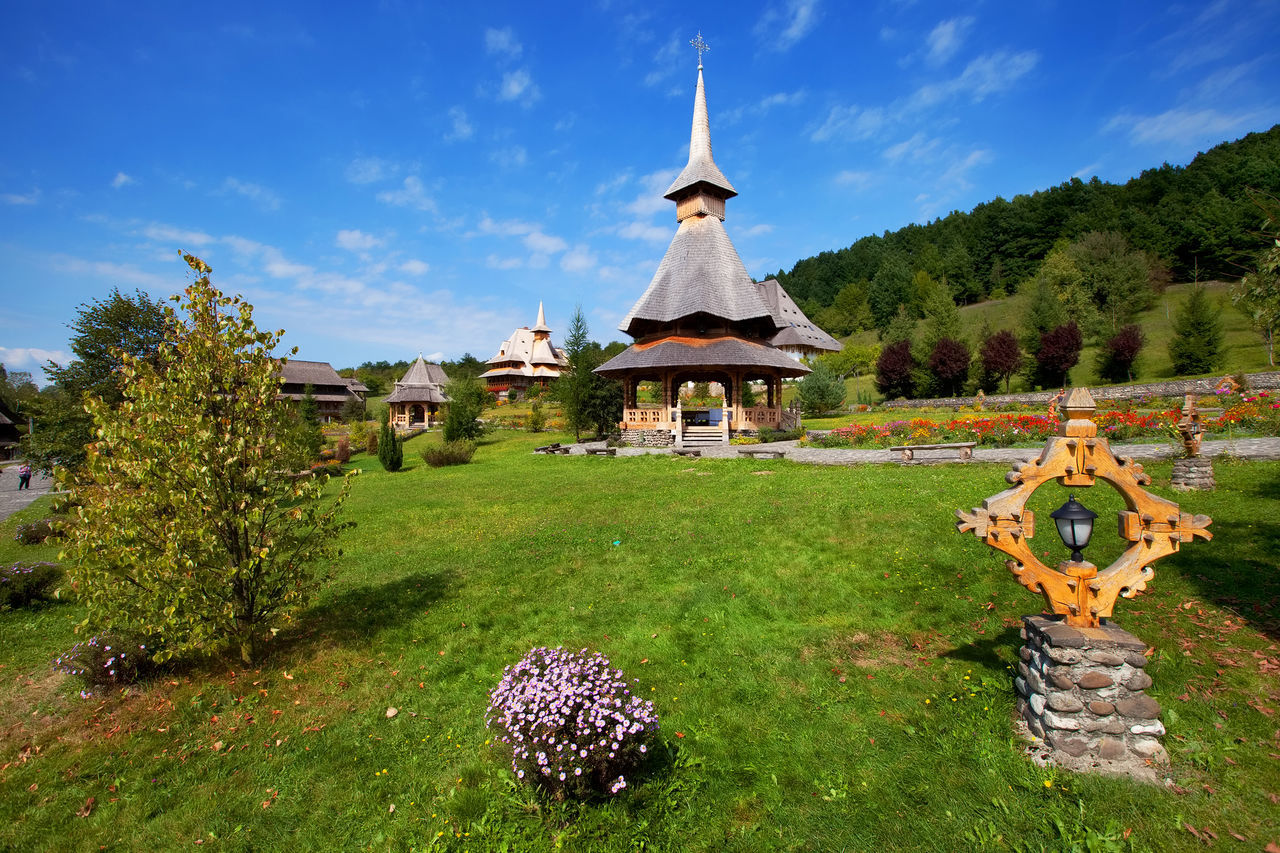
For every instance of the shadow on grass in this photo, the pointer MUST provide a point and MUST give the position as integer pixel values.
(994, 652)
(1226, 576)
(363, 612)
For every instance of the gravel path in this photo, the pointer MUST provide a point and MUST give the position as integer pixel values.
(1245, 448)
(12, 500)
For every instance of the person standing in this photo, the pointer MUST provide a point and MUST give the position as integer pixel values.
(24, 476)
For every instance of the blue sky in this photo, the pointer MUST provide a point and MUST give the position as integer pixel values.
(388, 178)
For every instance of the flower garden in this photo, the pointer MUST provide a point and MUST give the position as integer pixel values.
(1254, 414)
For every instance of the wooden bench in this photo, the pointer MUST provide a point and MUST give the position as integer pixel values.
(756, 452)
(687, 451)
(552, 448)
(962, 448)
(602, 451)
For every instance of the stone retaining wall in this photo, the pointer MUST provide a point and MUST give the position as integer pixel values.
(1257, 381)
(647, 437)
(1081, 690)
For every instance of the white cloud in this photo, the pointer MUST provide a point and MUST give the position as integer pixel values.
(917, 148)
(357, 241)
(414, 267)
(578, 259)
(411, 194)
(757, 230)
(121, 180)
(945, 39)
(1087, 172)
(645, 231)
(13, 198)
(519, 86)
(368, 170)
(496, 263)
(666, 60)
(849, 123)
(782, 27)
(545, 244)
(32, 357)
(461, 125)
(855, 179)
(503, 43)
(178, 236)
(256, 193)
(277, 266)
(114, 273)
(1181, 126)
(987, 75)
(508, 228)
(650, 200)
(510, 158)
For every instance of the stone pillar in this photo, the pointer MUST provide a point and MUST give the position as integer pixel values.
(1081, 690)
(1193, 472)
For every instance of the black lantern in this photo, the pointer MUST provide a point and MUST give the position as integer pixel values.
(1075, 526)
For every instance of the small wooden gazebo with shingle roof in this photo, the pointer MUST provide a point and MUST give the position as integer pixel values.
(416, 400)
(702, 319)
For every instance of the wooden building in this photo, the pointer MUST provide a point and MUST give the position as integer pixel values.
(702, 319)
(331, 391)
(417, 397)
(799, 336)
(525, 359)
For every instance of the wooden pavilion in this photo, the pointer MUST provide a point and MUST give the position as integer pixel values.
(415, 402)
(702, 319)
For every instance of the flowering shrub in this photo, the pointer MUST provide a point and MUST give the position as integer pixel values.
(34, 533)
(573, 726)
(105, 661)
(24, 583)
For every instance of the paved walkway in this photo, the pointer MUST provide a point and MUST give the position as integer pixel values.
(12, 500)
(1245, 448)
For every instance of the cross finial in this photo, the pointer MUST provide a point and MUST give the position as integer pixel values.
(700, 46)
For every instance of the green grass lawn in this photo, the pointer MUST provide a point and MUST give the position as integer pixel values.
(831, 670)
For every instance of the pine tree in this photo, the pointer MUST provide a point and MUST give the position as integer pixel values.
(1196, 346)
(821, 391)
(390, 450)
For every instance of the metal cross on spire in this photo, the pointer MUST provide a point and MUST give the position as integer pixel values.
(700, 46)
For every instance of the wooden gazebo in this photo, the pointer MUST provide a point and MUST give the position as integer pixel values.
(415, 402)
(702, 319)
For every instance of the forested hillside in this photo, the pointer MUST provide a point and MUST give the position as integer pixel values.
(1198, 221)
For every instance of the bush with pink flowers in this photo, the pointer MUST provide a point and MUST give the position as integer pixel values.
(571, 721)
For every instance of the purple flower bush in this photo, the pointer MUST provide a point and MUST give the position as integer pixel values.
(23, 584)
(572, 723)
(105, 662)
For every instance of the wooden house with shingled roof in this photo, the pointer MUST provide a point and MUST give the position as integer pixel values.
(415, 402)
(330, 391)
(525, 359)
(800, 337)
(702, 319)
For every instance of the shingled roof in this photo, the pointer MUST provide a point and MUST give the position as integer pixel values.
(797, 329)
(701, 352)
(701, 273)
(422, 383)
(316, 373)
(701, 168)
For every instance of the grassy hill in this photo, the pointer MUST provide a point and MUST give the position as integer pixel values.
(1243, 348)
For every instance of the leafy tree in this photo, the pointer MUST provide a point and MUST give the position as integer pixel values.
(949, 363)
(820, 391)
(901, 328)
(353, 410)
(1001, 356)
(1059, 352)
(1196, 345)
(104, 332)
(1114, 277)
(466, 366)
(390, 448)
(17, 389)
(891, 287)
(1044, 314)
(894, 370)
(191, 529)
(1115, 361)
(467, 400)
(1258, 293)
(853, 360)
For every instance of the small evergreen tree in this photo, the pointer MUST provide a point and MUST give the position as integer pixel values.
(467, 399)
(1196, 346)
(894, 370)
(1115, 362)
(309, 422)
(820, 391)
(390, 449)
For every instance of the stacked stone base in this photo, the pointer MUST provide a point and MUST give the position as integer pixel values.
(648, 438)
(1195, 472)
(1081, 697)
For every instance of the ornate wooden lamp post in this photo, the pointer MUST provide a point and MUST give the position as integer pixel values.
(1081, 680)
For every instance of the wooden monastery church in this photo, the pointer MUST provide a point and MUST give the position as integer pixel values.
(703, 319)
